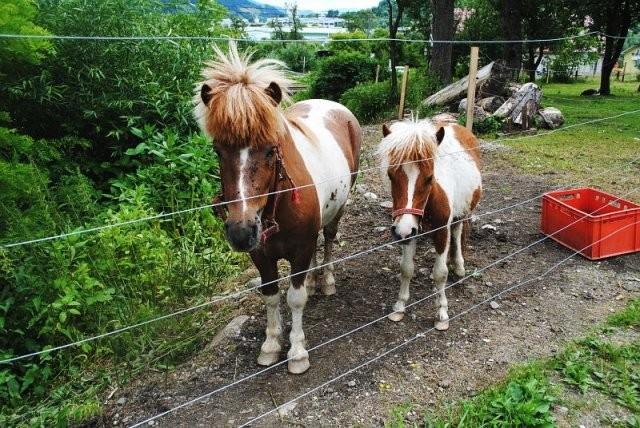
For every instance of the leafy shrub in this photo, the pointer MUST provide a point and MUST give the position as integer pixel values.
(369, 102)
(420, 86)
(299, 57)
(336, 74)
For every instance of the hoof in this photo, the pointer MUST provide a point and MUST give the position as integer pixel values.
(460, 272)
(396, 316)
(329, 290)
(299, 366)
(442, 325)
(268, 358)
(311, 290)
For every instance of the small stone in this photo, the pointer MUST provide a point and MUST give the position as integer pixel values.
(371, 196)
(619, 297)
(351, 383)
(386, 204)
(287, 409)
(485, 340)
(380, 229)
(253, 282)
(445, 383)
(121, 401)
(360, 188)
(489, 227)
(494, 304)
(563, 410)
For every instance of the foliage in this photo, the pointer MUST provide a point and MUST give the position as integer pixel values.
(17, 17)
(363, 20)
(299, 57)
(98, 90)
(337, 46)
(570, 54)
(369, 102)
(337, 73)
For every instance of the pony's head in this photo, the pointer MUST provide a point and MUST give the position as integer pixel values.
(407, 154)
(237, 106)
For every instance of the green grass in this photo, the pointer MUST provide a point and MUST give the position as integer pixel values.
(576, 154)
(528, 394)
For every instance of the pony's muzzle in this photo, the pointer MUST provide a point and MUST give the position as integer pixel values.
(243, 235)
(398, 236)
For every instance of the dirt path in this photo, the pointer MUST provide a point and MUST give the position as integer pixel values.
(533, 321)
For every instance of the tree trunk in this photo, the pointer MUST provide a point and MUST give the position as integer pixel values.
(511, 18)
(393, 45)
(533, 64)
(442, 28)
(618, 23)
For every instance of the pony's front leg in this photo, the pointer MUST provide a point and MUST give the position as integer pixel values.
(297, 299)
(270, 350)
(440, 274)
(406, 273)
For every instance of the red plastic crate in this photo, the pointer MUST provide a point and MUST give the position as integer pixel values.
(586, 216)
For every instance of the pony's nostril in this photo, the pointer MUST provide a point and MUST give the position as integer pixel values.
(393, 230)
(414, 231)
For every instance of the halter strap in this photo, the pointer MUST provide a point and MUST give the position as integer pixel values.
(415, 211)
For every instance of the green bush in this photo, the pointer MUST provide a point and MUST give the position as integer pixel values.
(420, 86)
(337, 73)
(369, 102)
(299, 57)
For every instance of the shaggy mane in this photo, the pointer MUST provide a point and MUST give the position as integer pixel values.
(240, 111)
(409, 141)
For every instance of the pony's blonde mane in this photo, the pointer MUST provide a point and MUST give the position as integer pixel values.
(409, 141)
(241, 111)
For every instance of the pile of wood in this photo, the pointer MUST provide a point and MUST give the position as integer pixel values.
(516, 106)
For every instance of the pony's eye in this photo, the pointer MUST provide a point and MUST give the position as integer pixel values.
(270, 152)
(429, 179)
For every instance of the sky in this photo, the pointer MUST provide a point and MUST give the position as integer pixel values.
(319, 5)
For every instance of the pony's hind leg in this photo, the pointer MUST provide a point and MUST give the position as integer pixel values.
(440, 274)
(406, 273)
(330, 231)
(271, 347)
(297, 298)
(311, 280)
(456, 238)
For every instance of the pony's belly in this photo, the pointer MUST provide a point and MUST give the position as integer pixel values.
(330, 171)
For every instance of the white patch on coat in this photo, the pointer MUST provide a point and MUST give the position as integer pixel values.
(407, 222)
(244, 155)
(324, 159)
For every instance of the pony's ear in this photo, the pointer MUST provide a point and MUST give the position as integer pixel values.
(385, 130)
(205, 94)
(440, 135)
(274, 91)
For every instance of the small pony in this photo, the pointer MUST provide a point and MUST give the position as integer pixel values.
(434, 173)
(285, 175)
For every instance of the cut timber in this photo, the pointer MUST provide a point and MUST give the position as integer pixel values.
(522, 105)
(458, 89)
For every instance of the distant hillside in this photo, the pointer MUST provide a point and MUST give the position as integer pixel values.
(249, 9)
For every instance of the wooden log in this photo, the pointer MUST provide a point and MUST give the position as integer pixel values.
(522, 106)
(403, 92)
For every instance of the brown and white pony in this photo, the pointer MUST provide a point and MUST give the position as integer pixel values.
(263, 149)
(434, 172)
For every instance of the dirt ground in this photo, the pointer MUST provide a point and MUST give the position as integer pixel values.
(533, 321)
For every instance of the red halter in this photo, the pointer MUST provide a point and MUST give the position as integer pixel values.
(415, 211)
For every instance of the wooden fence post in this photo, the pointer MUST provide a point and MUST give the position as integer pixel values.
(377, 72)
(471, 88)
(304, 63)
(403, 91)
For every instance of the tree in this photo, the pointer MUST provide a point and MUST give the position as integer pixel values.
(442, 28)
(395, 9)
(16, 17)
(364, 20)
(614, 18)
(333, 13)
(544, 19)
(512, 30)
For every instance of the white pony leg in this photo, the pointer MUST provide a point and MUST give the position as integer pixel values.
(298, 355)
(406, 273)
(458, 259)
(311, 280)
(270, 350)
(440, 274)
(329, 281)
